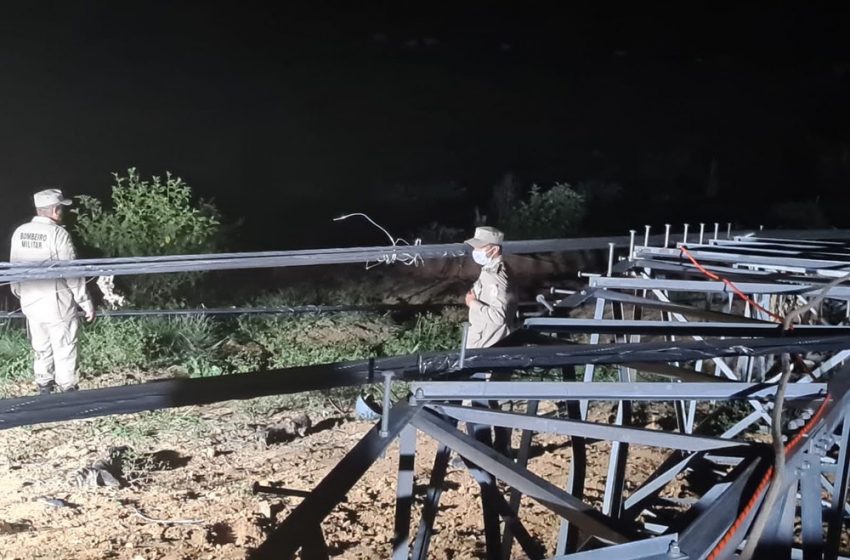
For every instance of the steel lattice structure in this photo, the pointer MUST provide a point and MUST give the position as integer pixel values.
(665, 321)
(652, 297)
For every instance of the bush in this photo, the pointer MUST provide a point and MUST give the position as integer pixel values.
(15, 352)
(555, 212)
(315, 339)
(182, 335)
(149, 218)
(198, 346)
(427, 333)
(110, 344)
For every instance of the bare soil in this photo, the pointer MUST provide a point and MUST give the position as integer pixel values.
(190, 492)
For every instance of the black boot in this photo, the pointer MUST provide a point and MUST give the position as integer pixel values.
(45, 389)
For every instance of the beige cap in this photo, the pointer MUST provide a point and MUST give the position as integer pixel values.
(485, 235)
(50, 197)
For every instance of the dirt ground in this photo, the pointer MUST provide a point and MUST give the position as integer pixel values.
(190, 491)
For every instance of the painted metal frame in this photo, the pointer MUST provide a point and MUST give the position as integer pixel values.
(719, 353)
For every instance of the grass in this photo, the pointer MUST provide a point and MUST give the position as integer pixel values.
(139, 429)
(15, 353)
(203, 346)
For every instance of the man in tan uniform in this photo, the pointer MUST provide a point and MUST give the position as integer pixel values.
(50, 306)
(488, 300)
(490, 318)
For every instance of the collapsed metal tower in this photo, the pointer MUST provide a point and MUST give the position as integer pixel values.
(693, 326)
(690, 327)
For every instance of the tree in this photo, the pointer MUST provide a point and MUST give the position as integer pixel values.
(555, 212)
(149, 218)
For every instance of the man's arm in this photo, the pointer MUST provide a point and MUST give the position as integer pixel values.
(494, 312)
(14, 257)
(65, 252)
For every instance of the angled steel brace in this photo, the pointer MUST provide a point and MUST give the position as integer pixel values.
(550, 496)
(614, 296)
(494, 504)
(721, 366)
(315, 547)
(431, 503)
(778, 537)
(656, 548)
(515, 496)
(291, 534)
(666, 472)
(589, 430)
(702, 534)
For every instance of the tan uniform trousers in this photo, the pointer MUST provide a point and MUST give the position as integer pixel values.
(55, 346)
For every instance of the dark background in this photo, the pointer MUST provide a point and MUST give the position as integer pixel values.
(290, 116)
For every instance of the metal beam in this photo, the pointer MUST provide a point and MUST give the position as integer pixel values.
(404, 492)
(588, 293)
(290, 535)
(589, 430)
(835, 514)
(713, 287)
(16, 272)
(431, 503)
(656, 548)
(701, 328)
(779, 262)
(602, 391)
(527, 482)
(515, 495)
(705, 532)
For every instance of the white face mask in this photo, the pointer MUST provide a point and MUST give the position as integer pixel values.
(480, 257)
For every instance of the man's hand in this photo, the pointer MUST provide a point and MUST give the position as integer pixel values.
(90, 315)
(470, 297)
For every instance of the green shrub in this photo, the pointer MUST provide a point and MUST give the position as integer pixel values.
(149, 218)
(190, 342)
(555, 212)
(315, 339)
(109, 344)
(199, 346)
(182, 335)
(203, 365)
(241, 358)
(427, 333)
(15, 351)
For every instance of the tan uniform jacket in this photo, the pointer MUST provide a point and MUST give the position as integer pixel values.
(489, 315)
(47, 301)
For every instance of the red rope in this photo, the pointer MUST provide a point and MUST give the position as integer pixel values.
(765, 481)
(768, 475)
(729, 284)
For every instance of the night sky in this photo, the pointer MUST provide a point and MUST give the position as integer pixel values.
(288, 117)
